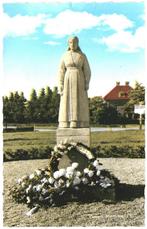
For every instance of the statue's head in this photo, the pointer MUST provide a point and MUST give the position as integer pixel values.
(73, 44)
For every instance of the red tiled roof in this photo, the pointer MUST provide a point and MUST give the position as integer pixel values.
(119, 92)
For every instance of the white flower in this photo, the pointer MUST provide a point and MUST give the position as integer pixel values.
(104, 185)
(19, 180)
(51, 180)
(28, 200)
(92, 183)
(38, 172)
(44, 191)
(62, 172)
(76, 181)
(23, 184)
(67, 183)
(90, 173)
(31, 176)
(25, 177)
(38, 188)
(78, 173)
(62, 146)
(62, 153)
(56, 184)
(86, 170)
(52, 153)
(44, 180)
(69, 174)
(74, 165)
(70, 169)
(108, 185)
(73, 143)
(33, 210)
(27, 190)
(98, 172)
(65, 141)
(85, 180)
(56, 174)
(56, 148)
(30, 186)
(95, 163)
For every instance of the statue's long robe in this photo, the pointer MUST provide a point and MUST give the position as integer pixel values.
(74, 76)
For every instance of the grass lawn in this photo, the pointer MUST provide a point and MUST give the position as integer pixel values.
(25, 140)
(127, 211)
(28, 140)
(127, 137)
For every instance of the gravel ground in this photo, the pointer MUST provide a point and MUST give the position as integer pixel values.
(125, 212)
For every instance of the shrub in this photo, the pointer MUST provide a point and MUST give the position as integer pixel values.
(18, 129)
(33, 153)
(119, 151)
(99, 151)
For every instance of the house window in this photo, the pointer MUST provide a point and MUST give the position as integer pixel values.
(122, 94)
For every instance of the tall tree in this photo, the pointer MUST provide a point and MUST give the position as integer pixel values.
(48, 104)
(6, 110)
(136, 97)
(54, 105)
(95, 105)
(101, 113)
(19, 107)
(42, 106)
(32, 107)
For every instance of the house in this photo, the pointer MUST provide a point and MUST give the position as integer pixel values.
(118, 96)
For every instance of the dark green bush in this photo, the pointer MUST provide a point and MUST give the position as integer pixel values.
(99, 151)
(18, 129)
(119, 151)
(33, 153)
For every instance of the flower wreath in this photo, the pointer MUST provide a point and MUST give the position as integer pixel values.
(52, 186)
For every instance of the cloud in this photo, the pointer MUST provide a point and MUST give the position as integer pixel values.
(53, 43)
(68, 22)
(126, 41)
(115, 21)
(21, 25)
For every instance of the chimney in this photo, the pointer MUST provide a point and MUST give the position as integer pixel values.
(127, 83)
(117, 83)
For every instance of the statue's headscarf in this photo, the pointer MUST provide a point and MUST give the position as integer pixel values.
(77, 39)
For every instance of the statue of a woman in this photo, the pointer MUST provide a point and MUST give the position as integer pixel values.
(73, 83)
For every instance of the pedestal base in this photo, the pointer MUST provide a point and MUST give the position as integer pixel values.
(73, 135)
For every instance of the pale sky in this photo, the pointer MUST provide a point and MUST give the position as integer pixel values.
(111, 34)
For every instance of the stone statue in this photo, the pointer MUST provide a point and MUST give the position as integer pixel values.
(73, 83)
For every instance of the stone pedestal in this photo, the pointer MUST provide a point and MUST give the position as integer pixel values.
(74, 135)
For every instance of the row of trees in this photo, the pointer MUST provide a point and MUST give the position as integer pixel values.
(44, 108)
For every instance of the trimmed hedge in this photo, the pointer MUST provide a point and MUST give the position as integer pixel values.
(18, 129)
(22, 154)
(99, 151)
(126, 151)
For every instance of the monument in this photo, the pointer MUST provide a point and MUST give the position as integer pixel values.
(73, 172)
(73, 83)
